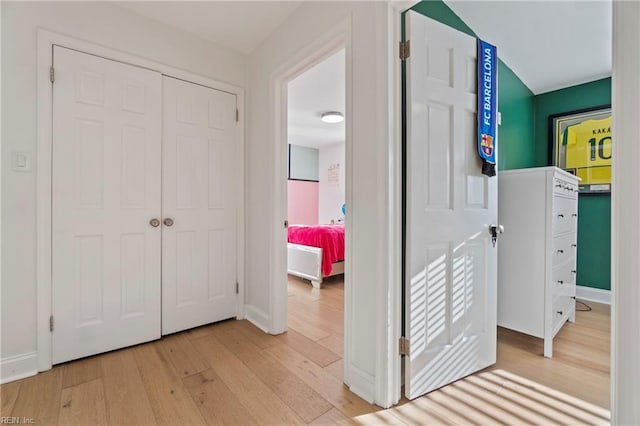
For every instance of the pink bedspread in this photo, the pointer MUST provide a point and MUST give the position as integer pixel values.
(330, 238)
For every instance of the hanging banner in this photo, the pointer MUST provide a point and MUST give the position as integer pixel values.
(487, 106)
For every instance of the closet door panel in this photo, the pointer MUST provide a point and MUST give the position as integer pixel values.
(199, 203)
(106, 187)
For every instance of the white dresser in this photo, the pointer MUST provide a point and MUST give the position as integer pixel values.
(537, 252)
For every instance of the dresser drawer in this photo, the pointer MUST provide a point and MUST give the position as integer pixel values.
(563, 278)
(563, 307)
(565, 215)
(565, 187)
(563, 249)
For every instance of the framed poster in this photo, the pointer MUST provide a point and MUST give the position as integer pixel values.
(581, 145)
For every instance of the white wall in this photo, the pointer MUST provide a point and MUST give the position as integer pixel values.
(99, 23)
(368, 295)
(331, 195)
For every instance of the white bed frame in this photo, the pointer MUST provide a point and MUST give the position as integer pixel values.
(306, 262)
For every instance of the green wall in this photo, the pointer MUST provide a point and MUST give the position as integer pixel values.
(594, 211)
(516, 134)
(515, 100)
(572, 98)
(436, 9)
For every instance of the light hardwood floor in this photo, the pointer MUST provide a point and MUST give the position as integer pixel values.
(232, 373)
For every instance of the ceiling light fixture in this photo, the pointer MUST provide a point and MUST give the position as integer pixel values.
(332, 117)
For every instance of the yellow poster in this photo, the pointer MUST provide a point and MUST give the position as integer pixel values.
(582, 143)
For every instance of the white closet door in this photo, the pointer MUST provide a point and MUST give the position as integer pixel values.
(106, 189)
(450, 289)
(199, 196)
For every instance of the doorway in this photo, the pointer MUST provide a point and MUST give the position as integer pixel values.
(316, 208)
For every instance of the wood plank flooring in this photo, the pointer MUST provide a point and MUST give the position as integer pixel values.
(233, 373)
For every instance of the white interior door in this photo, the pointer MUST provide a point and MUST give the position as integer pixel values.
(106, 189)
(199, 196)
(450, 298)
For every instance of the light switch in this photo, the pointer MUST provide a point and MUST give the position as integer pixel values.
(21, 161)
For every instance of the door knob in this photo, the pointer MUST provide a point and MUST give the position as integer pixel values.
(495, 230)
(168, 222)
(154, 222)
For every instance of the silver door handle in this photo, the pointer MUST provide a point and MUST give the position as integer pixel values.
(168, 222)
(154, 222)
(495, 230)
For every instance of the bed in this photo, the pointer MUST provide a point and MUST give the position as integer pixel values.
(315, 252)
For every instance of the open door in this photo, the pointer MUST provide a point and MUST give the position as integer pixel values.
(451, 263)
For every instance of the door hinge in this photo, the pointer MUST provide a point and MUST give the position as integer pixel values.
(405, 49)
(51, 323)
(237, 115)
(237, 287)
(403, 346)
(51, 74)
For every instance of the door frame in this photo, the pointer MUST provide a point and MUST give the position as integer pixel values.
(44, 284)
(335, 40)
(388, 327)
(625, 226)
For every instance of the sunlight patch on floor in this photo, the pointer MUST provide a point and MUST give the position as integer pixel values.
(492, 397)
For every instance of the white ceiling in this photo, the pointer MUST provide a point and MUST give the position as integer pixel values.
(319, 89)
(238, 25)
(548, 44)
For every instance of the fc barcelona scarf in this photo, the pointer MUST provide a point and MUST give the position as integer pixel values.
(487, 106)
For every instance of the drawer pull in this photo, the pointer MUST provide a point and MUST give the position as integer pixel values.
(574, 271)
(560, 251)
(574, 215)
(559, 312)
(558, 185)
(574, 245)
(560, 215)
(560, 282)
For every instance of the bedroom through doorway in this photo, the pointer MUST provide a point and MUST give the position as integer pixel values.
(316, 211)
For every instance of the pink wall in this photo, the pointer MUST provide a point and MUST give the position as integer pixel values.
(302, 198)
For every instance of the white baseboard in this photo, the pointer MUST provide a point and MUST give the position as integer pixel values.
(18, 367)
(361, 383)
(257, 317)
(593, 294)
